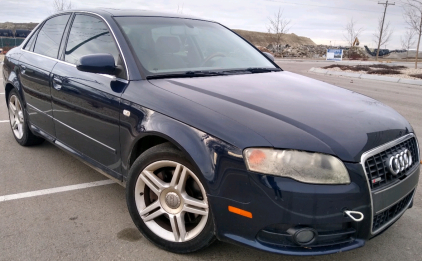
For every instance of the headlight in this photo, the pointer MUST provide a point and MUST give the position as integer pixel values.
(302, 166)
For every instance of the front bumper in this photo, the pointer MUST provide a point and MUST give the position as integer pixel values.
(280, 203)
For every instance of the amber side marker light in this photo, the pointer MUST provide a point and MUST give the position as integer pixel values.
(240, 212)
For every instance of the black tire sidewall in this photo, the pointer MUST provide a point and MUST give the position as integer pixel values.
(24, 140)
(165, 152)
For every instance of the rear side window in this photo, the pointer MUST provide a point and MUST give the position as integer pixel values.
(50, 36)
(30, 43)
(89, 35)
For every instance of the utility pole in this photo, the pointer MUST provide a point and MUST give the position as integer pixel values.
(386, 4)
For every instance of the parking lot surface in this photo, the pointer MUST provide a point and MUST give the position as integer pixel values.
(84, 220)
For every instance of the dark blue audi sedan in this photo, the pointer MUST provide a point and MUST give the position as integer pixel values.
(211, 139)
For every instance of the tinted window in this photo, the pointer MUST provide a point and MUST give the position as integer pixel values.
(89, 35)
(50, 36)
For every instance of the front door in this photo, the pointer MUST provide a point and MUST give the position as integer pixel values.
(86, 105)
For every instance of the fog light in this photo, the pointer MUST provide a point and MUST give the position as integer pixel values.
(303, 236)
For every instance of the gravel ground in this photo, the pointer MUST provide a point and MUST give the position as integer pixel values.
(404, 73)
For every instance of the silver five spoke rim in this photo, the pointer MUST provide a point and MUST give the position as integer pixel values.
(16, 116)
(171, 201)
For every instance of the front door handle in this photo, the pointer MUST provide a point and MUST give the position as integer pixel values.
(57, 83)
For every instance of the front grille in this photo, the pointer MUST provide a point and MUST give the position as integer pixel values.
(377, 169)
(392, 212)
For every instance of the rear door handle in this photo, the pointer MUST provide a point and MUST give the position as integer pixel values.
(23, 69)
(57, 83)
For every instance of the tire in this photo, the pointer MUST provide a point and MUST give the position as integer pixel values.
(163, 192)
(19, 121)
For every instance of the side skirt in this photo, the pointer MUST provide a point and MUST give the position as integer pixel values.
(117, 177)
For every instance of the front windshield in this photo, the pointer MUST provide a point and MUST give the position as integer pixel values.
(175, 45)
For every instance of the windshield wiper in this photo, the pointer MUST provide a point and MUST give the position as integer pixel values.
(189, 74)
(254, 70)
(261, 70)
(186, 74)
(206, 73)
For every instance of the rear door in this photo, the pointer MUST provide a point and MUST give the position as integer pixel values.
(39, 56)
(86, 105)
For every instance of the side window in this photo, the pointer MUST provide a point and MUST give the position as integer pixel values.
(50, 36)
(89, 35)
(30, 44)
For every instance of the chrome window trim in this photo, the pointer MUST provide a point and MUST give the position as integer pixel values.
(375, 151)
(114, 36)
(57, 60)
(39, 25)
(71, 64)
(54, 59)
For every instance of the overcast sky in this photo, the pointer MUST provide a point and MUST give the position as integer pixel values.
(322, 21)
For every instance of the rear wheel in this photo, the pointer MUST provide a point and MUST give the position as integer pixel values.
(168, 202)
(19, 122)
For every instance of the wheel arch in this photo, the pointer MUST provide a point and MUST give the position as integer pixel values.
(144, 143)
(8, 89)
(201, 149)
(12, 82)
(153, 138)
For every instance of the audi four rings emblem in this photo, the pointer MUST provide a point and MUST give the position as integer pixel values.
(400, 162)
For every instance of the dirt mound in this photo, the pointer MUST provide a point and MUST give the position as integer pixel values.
(264, 49)
(264, 39)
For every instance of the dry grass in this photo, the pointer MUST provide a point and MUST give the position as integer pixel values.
(384, 66)
(417, 76)
(384, 71)
(356, 68)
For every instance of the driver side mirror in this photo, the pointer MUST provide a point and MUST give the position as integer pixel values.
(102, 63)
(270, 56)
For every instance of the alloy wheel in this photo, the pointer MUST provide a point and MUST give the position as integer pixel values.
(16, 116)
(171, 201)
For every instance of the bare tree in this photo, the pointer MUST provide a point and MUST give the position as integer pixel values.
(351, 32)
(278, 25)
(180, 9)
(407, 41)
(384, 35)
(413, 17)
(61, 5)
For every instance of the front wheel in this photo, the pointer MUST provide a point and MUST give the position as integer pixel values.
(168, 202)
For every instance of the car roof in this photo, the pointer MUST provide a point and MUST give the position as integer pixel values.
(134, 12)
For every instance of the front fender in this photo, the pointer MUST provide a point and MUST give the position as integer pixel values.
(212, 157)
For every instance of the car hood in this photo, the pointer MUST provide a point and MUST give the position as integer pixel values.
(294, 112)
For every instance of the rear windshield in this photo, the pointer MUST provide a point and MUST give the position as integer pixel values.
(176, 45)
